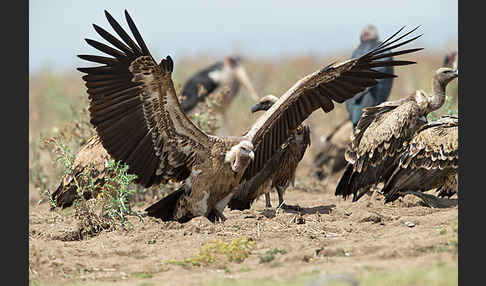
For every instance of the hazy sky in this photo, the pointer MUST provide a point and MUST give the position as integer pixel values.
(262, 28)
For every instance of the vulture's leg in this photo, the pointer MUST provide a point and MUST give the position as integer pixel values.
(268, 204)
(419, 194)
(281, 202)
(219, 207)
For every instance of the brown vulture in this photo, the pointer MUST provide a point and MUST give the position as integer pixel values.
(330, 158)
(279, 172)
(430, 161)
(136, 113)
(91, 160)
(382, 135)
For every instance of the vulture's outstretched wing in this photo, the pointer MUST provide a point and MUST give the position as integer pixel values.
(134, 108)
(335, 82)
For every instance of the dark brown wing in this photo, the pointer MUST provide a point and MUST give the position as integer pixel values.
(335, 82)
(435, 146)
(278, 171)
(430, 161)
(134, 108)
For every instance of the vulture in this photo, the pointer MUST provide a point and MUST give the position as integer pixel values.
(330, 158)
(430, 161)
(135, 110)
(91, 159)
(376, 94)
(226, 75)
(279, 172)
(382, 135)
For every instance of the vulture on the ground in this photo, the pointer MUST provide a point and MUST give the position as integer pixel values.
(430, 161)
(383, 132)
(136, 113)
(376, 94)
(91, 160)
(330, 158)
(279, 172)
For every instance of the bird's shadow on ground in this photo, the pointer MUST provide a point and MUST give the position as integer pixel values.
(441, 203)
(271, 213)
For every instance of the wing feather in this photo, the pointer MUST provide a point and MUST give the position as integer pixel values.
(134, 108)
(335, 82)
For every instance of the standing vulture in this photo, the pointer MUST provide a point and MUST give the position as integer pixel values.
(429, 161)
(383, 132)
(136, 113)
(278, 172)
(376, 94)
(330, 158)
(229, 73)
(91, 160)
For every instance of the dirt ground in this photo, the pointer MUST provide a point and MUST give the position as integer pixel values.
(329, 235)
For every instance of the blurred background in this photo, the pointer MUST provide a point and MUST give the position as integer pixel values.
(280, 42)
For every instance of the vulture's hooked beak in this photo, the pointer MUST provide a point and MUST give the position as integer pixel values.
(257, 107)
(245, 80)
(252, 155)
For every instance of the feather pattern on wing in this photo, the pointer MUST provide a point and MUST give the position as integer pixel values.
(334, 83)
(279, 171)
(132, 92)
(430, 161)
(381, 135)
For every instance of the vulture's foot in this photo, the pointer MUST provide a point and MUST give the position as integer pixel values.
(290, 207)
(216, 216)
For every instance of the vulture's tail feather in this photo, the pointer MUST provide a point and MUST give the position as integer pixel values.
(343, 187)
(164, 208)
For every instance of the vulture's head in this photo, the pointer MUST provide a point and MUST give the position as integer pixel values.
(264, 103)
(240, 155)
(369, 33)
(232, 61)
(232, 64)
(445, 75)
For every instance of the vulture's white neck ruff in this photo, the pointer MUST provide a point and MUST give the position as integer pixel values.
(237, 160)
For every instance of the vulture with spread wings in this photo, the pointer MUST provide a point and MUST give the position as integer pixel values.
(136, 113)
(278, 172)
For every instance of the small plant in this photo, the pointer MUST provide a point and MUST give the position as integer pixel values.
(219, 251)
(270, 255)
(117, 191)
